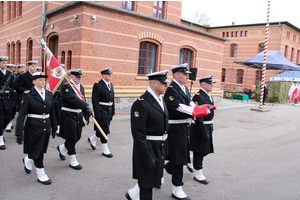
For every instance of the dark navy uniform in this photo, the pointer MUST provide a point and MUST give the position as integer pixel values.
(201, 134)
(36, 130)
(149, 127)
(73, 110)
(6, 102)
(201, 142)
(71, 122)
(179, 127)
(104, 106)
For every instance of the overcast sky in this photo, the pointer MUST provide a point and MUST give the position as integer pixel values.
(224, 12)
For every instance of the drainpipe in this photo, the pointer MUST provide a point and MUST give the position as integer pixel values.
(42, 32)
(279, 36)
(278, 41)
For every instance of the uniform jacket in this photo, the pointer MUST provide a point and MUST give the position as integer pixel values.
(7, 101)
(103, 113)
(201, 134)
(148, 118)
(178, 139)
(71, 123)
(36, 131)
(23, 82)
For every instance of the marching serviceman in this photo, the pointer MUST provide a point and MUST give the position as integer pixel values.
(6, 98)
(24, 81)
(179, 127)
(11, 68)
(37, 105)
(21, 69)
(201, 142)
(149, 126)
(104, 109)
(73, 109)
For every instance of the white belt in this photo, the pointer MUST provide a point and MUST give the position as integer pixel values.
(71, 110)
(106, 104)
(180, 121)
(152, 137)
(43, 116)
(208, 122)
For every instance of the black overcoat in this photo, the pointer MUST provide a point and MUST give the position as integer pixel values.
(178, 139)
(148, 118)
(6, 102)
(36, 131)
(103, 113)
(201, 134)
(71, 123)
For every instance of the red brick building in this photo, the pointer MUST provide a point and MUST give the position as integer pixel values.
(248, 40)
(134, 38)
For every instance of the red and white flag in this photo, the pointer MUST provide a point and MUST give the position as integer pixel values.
(55, 72)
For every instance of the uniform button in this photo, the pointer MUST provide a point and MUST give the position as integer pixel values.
(109, 109)
(188, 125)
(44, 129)
(165, 131)
(44, 121)
(78, 122)
(162, 144)
(188, 136)
(44, 106)
(162, 157)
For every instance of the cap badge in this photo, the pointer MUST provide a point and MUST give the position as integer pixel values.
(67, 90)
(171, 98)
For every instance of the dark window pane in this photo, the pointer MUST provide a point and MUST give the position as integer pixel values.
(123, 4)
(160, 14)
(154, 12)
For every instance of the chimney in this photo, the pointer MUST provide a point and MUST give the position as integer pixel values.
(232, 23)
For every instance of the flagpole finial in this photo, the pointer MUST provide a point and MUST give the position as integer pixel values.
(42, 41)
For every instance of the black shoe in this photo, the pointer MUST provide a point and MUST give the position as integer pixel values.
(26, 170)
(48, 182)
(205, 181)
(127, 196)
(190, 169)
(107, 155)
(77, 167)
(2, 147)
(62, 157)
(92, 146)
(8, 130)
(185, 198)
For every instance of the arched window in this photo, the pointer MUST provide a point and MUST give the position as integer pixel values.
(12, 53)
(233, 50)
(292, 53)
(29, 49)
(285, 50)
(297, 58)
(261, 47)
(185, 56)
(147, 58)
(62, 57)
(18, 52)
(53, 45)
(8, 52)
(223, 75)
(69, 60)
(239, 76)
(2, 12)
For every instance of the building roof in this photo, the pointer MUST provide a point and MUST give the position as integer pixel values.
(242, 25)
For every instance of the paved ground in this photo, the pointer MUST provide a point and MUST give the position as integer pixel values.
(256, 157)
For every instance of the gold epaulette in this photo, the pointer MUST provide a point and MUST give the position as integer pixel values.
(197, 93)
(170, 86)
(26, 91)
(140, 99)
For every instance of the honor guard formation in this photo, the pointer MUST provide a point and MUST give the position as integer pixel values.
(170, 128)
